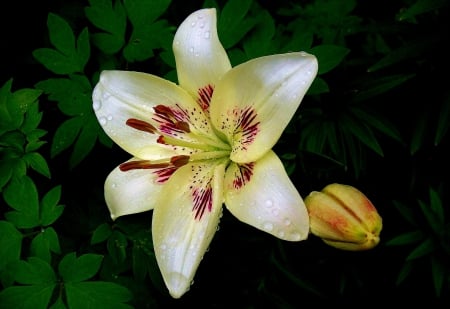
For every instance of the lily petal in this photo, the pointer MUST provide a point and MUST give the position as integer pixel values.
(200, 58)
(120, 96)
(185, 222)
(255, 101)
(267, 199)
(131, 192)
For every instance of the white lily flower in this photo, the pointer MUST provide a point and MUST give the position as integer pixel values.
(204, 143)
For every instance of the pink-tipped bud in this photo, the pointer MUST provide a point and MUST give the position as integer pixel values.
(344, 218)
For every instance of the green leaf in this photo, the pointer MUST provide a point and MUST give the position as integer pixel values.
(58, 304)
(73, 269)
(424, 248)
(260, 42)
(418, 138)
(44, 243)
(377, 121)
(360, 130)
(421, 7)
(409, 50)
(31, 120)
(50, 210)
(101, 233)
(117, 245)
(61, 34)
(83, 48)
(404, 272)
(234, 22)
(141, 12)
(439, 272)
(65, 135)
(318, 86)
(73, 94)
(67, 58)
(112, 19)
(86, 139)
(378, 86)
(144, 39)
(329, 56)
(21, 194)
(34, 271)
(436, 205)
(406, 212)
(11, 115)
(24, 98)
(97, 294)
(55, 61)
(38, 163)
(406, 238)
(27, 297)
(10, 244)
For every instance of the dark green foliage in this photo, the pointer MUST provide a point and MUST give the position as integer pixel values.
(376, 117)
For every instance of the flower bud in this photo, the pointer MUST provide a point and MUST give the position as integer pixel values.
(344, 218)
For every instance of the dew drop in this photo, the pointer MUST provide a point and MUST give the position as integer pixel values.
(96, 105)
(177, 42)
(287, 222)
(207, 34)
(269, 203)
(102, 121)
(193, 24)
(267, 226)
(303, 82)
(202, 25)
(191, 49)
(110, 117)
(163, 247)
(114, 186)
(309, 72)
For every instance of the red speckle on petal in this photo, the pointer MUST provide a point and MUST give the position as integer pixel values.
(204, 96)
(243, 175)
(202, 199)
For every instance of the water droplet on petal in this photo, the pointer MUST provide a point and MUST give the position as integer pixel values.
(96, 105)
(287, 222)
(110, 117)
(103, 121)
(269, 203)
(207, 34)
(193, 24)
(191, 49)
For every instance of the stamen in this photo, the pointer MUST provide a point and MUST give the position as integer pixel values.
(140, 125)
(172, 120)
(142, 164)
(179, 161)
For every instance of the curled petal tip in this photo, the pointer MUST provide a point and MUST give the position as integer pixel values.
(177, 283)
